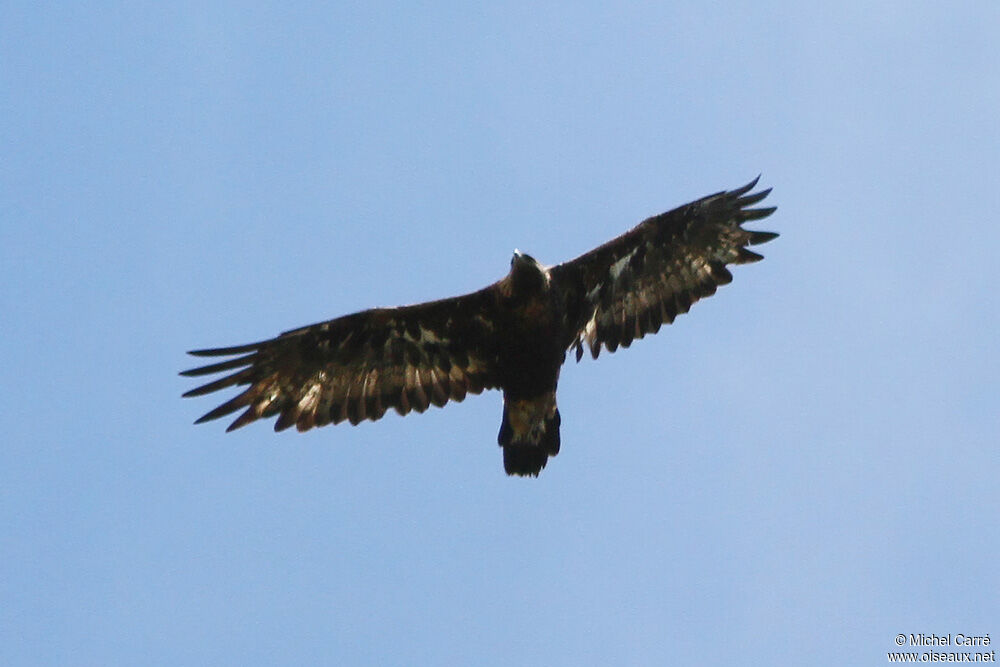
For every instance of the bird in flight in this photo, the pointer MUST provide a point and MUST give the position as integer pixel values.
(512, 335)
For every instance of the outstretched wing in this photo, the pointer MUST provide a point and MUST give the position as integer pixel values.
(358, 366)
(631, 285)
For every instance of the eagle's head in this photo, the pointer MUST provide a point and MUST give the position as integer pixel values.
(526, 275)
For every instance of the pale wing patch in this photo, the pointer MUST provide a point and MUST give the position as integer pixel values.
(616, 269)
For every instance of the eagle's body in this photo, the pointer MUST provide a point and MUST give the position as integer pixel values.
(531, 311)
(512, 335)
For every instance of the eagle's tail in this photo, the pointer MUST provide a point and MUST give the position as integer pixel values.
(529, 434)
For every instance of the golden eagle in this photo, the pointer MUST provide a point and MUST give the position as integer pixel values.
(512, 335)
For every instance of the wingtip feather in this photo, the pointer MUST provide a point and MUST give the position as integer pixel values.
(226, 351)
(746, 188)
(240, 377)
(745, 256)
(749, 200)
(248, 416)
(756, 238)
(748, 214)
(219, 367)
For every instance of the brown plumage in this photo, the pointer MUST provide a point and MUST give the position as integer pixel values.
(511, 335)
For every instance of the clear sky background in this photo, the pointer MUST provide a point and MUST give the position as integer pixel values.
(795, 472)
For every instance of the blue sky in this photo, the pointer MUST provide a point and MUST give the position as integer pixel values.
(798, 470)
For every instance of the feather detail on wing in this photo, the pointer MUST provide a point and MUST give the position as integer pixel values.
(357, 367)
(633, 284)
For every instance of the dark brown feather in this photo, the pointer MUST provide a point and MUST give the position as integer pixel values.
(632, 285)
(356, 367)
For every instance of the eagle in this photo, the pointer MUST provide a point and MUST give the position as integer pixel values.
(512, 335)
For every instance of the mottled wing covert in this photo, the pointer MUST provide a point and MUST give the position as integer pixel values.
(633, 284)
(358, 366)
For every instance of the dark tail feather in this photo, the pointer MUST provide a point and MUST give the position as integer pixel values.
(526, 454)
